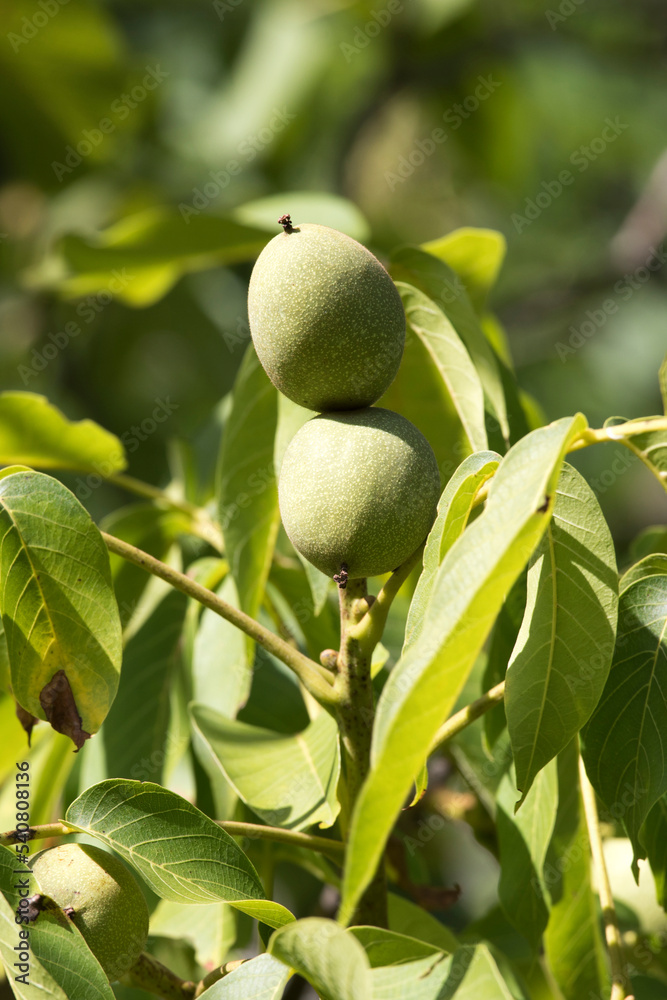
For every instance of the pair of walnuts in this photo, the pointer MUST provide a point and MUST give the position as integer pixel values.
(359, 484)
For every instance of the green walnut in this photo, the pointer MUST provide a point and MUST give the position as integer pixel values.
(326, 319)
(358, 491)
(102, 898)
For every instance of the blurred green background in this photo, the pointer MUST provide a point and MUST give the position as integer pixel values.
(161, 125)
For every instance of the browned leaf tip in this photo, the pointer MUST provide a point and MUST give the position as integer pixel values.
(26, 719)
(57, 700)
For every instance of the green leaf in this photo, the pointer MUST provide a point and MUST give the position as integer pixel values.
(476, 255)
(419, 393)
(469, 589)
(413, 921)
(385, 947)
(34, 432)
(58, 952)
(262, 978)
(502, 642)
(221, 666)
(654, 839)
(276, 701)
(328, 957)
(469, 974)
(651, 448)
(248, 496)
(652, 565)
(181, 853)
(451, 360)
(454, 509)
(9, 470)
(573, 940)
(41, 985)
(141, 257)
(58, 606)
(566, 642)
(523, 840)
(625, 741)
(319, 207)
(135, 731)
(289, 781)
(5, 672)
(648, 541)
(209, 927)
(441, 284)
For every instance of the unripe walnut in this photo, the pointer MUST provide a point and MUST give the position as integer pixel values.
(326, 319)
(102, 898)
(358, 490)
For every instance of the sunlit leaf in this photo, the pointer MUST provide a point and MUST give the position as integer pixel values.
(451, 359)
(470, 587)
(328, 957)
(221, 666)
(58, 606)
(651, 447)
(652, 565)
(384, 947)
(33, 432)
(261, 978)
(247, 492)
(441, 284)
(407, 918)
(181, 853)
(523, 840)
(288, 781)
(139, 258)
(565, 645)
(469, 974)
(476, 255)
(573, 939)
(209, 927)
(319, 207)
(454, 508)
(625, 741)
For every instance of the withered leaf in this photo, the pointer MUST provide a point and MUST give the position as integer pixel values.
(57, 700)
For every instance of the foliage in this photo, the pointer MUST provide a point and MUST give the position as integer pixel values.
(248, 747)
(515, 714)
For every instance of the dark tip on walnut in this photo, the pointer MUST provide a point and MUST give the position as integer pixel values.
(286, 222)
(341, 578)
